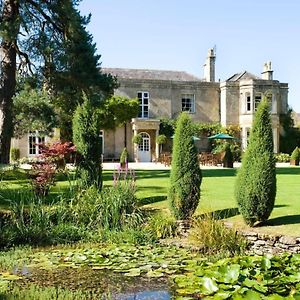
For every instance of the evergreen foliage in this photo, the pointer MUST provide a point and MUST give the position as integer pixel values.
(295, 154)
(228, 156)
(184, 193)
(33, 111)
(124, 157)
(161, 139)
(137, 139)
(118, 110)
(49, 40)
(255, 188)
(86, 129)
(289, 134)
(167, 127)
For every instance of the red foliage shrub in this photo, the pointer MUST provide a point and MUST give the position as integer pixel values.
(52, 159)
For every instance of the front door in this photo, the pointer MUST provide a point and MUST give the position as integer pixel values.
(144, 150)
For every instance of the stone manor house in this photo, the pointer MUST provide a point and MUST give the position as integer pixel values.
(165, 94)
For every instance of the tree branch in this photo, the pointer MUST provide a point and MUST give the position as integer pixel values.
(45, 16)
(25, 56)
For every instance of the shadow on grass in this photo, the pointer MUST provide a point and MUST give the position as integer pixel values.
(222, 213)
(151, 200)
(219, 172)
(140, 174)
(281, 205)
(288, 171)
(284, 220)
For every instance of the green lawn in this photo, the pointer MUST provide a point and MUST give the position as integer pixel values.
(217, 195)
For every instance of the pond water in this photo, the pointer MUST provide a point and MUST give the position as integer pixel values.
(118, 286)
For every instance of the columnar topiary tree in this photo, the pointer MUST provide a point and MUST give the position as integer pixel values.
(255, 189)
(184, 193)
(86, 137)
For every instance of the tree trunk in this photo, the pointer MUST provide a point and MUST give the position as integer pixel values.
(7, 75)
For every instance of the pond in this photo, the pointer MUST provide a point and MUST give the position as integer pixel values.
(117, 286)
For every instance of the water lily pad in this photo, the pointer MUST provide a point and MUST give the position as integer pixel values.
(133, 272)
(155, 273)
(209, 286)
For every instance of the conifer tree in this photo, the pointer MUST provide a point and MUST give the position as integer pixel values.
(255, 189)
(86, 130)
(184, 193)
(47, 39)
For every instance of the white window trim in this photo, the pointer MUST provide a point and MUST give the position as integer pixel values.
(145, 136)
(248, 95)
(37, 148)
(143, 105)
(193, 107)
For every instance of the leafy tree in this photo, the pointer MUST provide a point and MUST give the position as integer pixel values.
(289, 135)
(117, 111)
(76, 69)
(50, 40)
(167, 127)
(33, 111)
(86, 129)
(184, 193)
(255, 189)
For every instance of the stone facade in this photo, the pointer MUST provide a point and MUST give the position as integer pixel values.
(165, 94)
(241, 94)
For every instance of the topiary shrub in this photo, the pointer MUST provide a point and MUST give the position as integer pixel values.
(124, 158)
(137, 139)
(255, 188)
(86, 129)
(228, 157)
(14, 154)
(184, 193)
(295, 157)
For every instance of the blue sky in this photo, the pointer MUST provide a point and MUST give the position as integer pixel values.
(175, 35)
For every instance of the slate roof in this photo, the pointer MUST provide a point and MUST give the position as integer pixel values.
(242, 76)
(151, 74)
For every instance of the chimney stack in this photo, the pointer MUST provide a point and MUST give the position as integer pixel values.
(209, 66)
(267, 73)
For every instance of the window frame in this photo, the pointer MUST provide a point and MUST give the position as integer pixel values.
(256, 103)
(248, 103)
(185, 97)
(34, 139)
(143, 114)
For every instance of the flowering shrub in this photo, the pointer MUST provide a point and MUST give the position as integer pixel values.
(282, 157)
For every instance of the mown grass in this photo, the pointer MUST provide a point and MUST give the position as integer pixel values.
(217, 195)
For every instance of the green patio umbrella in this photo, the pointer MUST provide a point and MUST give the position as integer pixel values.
(221, 136)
